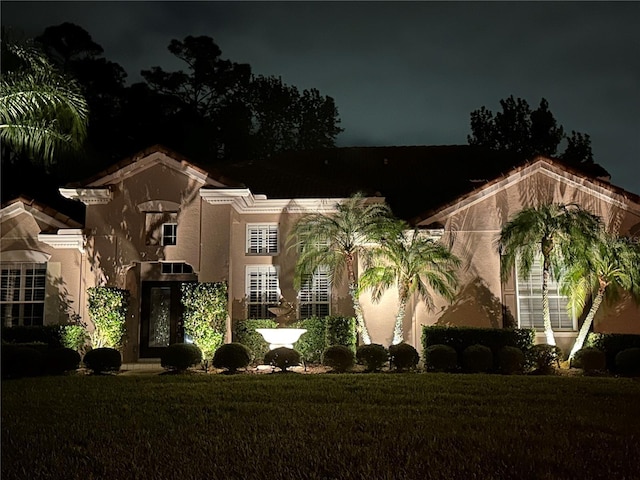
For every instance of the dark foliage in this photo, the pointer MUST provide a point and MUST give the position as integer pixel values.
(477, 358)
(372, 356)
(232, 356)
(339, 358)
(244, 332)
(341, 331)
(611, 344)
(103, 360)
(590, 359)
(61, 360)
(440, 358)
(282, 358)
(403, 356)
(628, 361)
(544, 358)
(312, 343)
(510, 360)
(181, 356)
(21, 361)
(47, 334)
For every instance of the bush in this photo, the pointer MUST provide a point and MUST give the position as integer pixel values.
(462, 337)
(21, 361)
(403, 356)
(341, 331)
(440, 358)
(232, 356)
(628, 361)
(477, 358)
(180, 356)
(372, 356)
(108, 311)
(542, 358)
(74, 337)
(47, 334)
(339, 358)
(312, 343)
(61, 360)
(282, 358)
(245, 332)
(611, 344)
(510, 360)
(101, 360)
(205, 314)
(589, 359)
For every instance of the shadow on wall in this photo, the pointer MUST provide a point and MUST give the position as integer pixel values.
(476, 306)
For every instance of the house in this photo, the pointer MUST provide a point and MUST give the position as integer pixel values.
(156, 220)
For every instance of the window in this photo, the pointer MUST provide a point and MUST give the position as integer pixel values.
(22, 292)
(314, 298)
(174, 268)
(530, 302)
(262, 239)
(262, 291)
(161, 228)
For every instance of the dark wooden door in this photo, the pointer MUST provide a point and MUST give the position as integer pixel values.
(160, 317)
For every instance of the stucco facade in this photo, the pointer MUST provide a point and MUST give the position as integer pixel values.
(156, 221)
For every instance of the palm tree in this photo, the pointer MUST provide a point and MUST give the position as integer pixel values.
(557, 232)
(415, 264)
(40, 110)
(608, 266)
(336, 241)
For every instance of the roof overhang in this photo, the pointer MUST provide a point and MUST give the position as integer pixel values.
(64, 239)
(88, 196)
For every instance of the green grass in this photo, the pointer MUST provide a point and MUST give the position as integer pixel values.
(377, 426)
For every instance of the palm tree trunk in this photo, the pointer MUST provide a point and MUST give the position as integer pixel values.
(353, 292)
(546, 315)
(584, 330)
(398, 334)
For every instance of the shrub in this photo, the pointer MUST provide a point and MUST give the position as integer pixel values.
(403, 356)
(542, 358)
(628, 361)
(108, 311)
(232, 356)
(245, 332)
(180, 356)
(104, 359)
(611, 344)
(282, 358)
(74, 336)
(339, 358)
(477, 358)
(589, 359)
(61, 360)
(341, 331)
(510, 360)
(372, 356)
(21, 361)
(205, 314)
(47, 334)
(440, 358)
(312, 343)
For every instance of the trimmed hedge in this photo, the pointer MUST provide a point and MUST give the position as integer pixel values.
(373, 356)
(181, 356)
(282, 358)
(61, 360)
(612, 344)
(460, 338)
(50, 335)
(21, 361)
(590, 359)
(244, 332)
(403, 356)
(341, 331)
(440, 358)
(103, 359)
(232, 356)
(339, 358)
(628, 361)
(511, 360)
(312, 343)
(477, 359)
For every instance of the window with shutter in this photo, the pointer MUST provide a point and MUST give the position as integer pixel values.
(262, 239)
(22, 293)
(314, 297)
(262, 289)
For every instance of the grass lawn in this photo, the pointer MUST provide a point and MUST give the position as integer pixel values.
(291, 426)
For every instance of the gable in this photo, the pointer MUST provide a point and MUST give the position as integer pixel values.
(542, 181)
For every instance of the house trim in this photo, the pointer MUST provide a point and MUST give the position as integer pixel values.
(69, 238)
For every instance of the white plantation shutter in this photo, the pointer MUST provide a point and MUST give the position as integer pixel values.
(262, 290)
(22, 293)
(530, 302)
(262, 238)
(314, 297)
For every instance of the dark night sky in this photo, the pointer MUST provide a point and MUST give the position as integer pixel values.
(402, 73)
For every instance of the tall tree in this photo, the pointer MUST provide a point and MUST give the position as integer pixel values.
(557, 232)
(41, 111)
(415, 264)
(336, 241)
(607, 266)
(517, 128)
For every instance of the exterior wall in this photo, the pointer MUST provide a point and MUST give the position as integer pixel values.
(471, 230)
(65, 289)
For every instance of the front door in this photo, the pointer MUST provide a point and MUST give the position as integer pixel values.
(160, 317)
